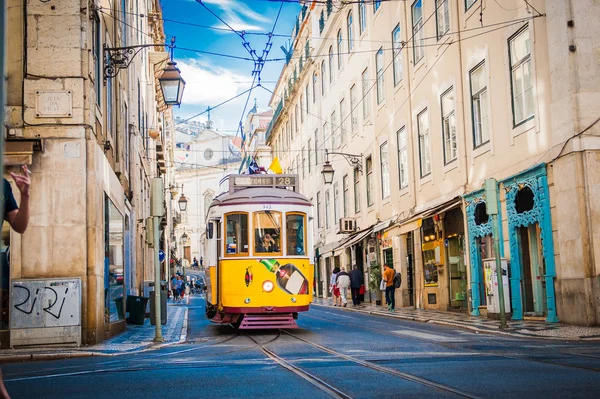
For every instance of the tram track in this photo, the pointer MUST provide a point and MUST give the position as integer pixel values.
(338, 393)
(477, 351)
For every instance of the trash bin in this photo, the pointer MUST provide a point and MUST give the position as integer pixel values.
(136, 306)
(163, 303)
(120, 310)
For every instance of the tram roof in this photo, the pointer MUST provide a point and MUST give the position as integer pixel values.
(261, 195)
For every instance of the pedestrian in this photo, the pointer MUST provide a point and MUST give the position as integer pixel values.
(18, 218)
(201, 262)
(342, 281)
(333, 289)
(390, 289)
(356, 281)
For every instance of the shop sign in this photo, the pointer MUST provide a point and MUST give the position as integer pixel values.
(386, 242)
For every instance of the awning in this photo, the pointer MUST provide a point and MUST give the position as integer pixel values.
(442, 208)
(382, 225)
(414, 222)
(358, 237)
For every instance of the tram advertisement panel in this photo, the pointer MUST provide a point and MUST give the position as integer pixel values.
(283, 279)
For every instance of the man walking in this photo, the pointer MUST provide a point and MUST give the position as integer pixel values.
(390, 289)
(356, 280)
(342, 281)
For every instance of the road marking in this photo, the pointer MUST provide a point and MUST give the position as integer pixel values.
(428, 336)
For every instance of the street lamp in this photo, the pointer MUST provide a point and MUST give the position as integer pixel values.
(328, 171)
(184, 238)
(171, 82)
(182, 202)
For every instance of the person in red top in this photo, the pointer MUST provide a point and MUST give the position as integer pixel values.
(390, 288)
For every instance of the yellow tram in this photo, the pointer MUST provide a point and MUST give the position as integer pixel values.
(259, 253)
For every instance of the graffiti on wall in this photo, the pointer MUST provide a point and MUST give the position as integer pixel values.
(45, 303)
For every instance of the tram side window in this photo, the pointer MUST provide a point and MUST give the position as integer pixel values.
(237, 234)
(295, 234)
(267, 232)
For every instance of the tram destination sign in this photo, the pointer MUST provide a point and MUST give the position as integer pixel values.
(242, 181)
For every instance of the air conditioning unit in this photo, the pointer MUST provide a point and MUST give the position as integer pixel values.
(347, 225)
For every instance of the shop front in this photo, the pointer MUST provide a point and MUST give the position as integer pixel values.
(114, 268)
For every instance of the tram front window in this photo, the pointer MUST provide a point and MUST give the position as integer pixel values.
(267, 232)
(236, 234)
(295, 234)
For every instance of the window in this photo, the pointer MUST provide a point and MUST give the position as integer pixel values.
(356, 190)
(397, 58)
(336, 202)
(423, 130)
(296, 124)
(109, 107)
(326, 136)
(236, 234)
(330, 64)
(126, 141)
(309, 153)
(124, 24)
(479, 105)
(369, 169)
(345, 195)
(362, 16)
(267, 232)
(97, 53)
(319, 222)
(335, 131)
(314, 84)
(342, 120)
(316, 147)
(327, 206)
(301, 111)
(402, 158)
(306, 106)
(323, 78)
(449, 126)
(339, 49)
(295, 233)
(385, 170)
(353, 116)
(469, 3)
(350, 31)
(303, 161)
(521, 80)
(365, 92)
(380, 82)
(442, 17)
(376, 5)
(417, 27)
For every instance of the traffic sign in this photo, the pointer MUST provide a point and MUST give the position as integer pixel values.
(161, 255)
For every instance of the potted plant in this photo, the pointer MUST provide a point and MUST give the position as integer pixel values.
(374, 280)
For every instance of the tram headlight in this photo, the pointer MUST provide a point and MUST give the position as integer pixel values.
(268, 286)
(293, 300)
(247, 301)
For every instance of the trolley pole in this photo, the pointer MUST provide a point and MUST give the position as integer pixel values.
(157, 211)
(491, 205)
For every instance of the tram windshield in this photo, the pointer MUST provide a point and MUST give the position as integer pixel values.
(236, 234)
(267, 232)
(295, 234)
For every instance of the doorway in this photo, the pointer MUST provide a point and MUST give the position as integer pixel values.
(533, 282)
(358, 254)
(410, 268)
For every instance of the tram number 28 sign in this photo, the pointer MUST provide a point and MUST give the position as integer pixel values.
(265, 181)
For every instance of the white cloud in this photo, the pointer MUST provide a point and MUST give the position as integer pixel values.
(206, 84)
(238, 15)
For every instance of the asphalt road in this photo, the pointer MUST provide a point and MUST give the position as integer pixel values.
(335, 353)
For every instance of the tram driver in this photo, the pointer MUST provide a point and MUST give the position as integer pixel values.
(267, 244)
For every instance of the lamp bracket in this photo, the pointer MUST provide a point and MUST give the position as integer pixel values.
(353, 160)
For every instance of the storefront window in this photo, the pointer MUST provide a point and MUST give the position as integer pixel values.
(236, 234)
(267, 232)
(113, 263)
(294, 225)
(431, 258)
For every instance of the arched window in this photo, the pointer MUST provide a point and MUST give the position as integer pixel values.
(314, 88)
(362, 16)
(330, 64)
(208, 198)
(350, 31)
(339, 49)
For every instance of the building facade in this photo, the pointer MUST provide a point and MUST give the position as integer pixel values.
(415, 105)
(93, 142)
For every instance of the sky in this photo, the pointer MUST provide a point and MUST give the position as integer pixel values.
(212, 79)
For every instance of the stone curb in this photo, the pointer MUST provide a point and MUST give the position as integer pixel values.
(460, 325)
(32, 357)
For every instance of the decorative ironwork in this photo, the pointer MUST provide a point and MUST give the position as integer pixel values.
(353, 160)
(536, 180)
